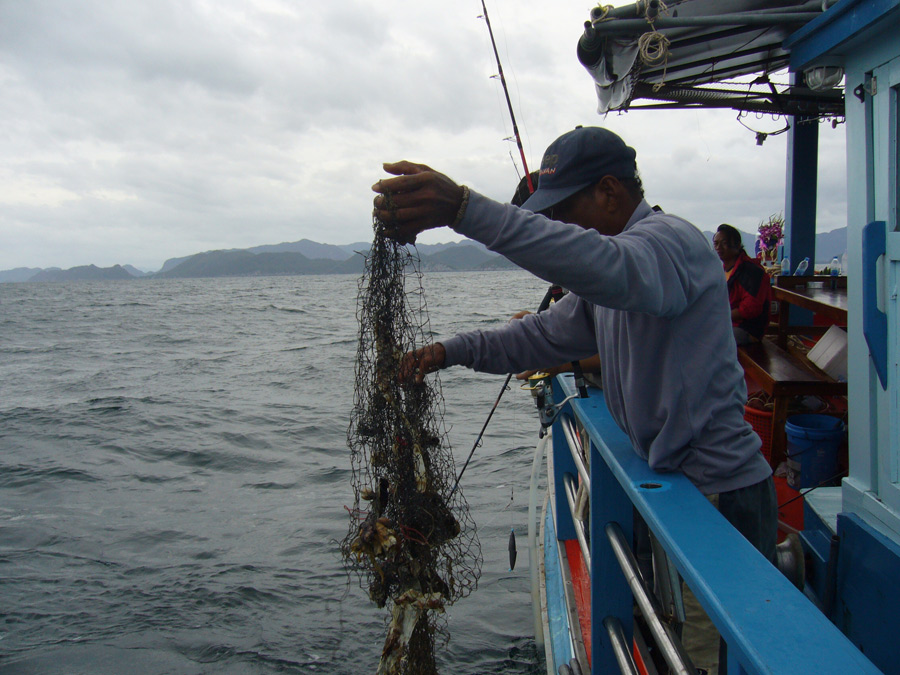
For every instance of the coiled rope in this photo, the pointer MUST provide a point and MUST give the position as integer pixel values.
(653, 47)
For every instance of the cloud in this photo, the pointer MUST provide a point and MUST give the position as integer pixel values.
(133, 132)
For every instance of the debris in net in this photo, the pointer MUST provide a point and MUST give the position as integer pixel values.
(411, 539)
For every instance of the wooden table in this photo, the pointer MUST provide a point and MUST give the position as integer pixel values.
(783, 376)
(829, 303)
(784, 373)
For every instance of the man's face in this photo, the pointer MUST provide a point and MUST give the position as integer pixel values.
(587, 209)
(723, 250)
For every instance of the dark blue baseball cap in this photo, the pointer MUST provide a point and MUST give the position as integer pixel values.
(577, 159)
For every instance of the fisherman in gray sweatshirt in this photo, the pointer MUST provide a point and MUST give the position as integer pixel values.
(646, 292)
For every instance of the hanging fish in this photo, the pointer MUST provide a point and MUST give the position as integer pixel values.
(512, 549)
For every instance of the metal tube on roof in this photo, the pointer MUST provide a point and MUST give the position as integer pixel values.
(638, 26)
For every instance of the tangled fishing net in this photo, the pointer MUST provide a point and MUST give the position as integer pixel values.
(411, 538)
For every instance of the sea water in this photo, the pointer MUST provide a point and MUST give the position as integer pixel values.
(174, 474)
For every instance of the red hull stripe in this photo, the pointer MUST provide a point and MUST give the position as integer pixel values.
(581, 582)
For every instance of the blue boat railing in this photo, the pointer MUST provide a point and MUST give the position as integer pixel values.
(662, 633)
(768, 625)
(668, 642)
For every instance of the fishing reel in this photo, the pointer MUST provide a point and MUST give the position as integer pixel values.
(549, 412)
(542, 390)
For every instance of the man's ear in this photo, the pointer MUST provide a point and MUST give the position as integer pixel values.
(609, 190)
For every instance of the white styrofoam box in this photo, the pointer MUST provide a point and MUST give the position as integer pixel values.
(830, 353)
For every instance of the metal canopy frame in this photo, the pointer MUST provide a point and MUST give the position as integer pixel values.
(793, 101)
(706, 50)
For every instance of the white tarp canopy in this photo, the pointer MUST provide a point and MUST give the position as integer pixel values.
(681, 52)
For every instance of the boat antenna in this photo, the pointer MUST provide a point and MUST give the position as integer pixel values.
(512, 115)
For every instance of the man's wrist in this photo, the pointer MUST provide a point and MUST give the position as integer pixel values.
(439, 353)
(454, 350)
(463, 205)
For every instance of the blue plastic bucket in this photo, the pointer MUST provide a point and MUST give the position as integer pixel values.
(812, 449)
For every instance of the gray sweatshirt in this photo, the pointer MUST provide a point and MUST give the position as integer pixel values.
(653, 302)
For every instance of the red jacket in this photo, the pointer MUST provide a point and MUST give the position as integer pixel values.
(750, 292)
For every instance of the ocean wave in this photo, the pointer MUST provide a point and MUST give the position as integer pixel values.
(19, 476)
(270, 485)
(175, 470)
(288, 310)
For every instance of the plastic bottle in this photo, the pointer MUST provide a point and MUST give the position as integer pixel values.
(785, 267)
(835, 271)
(801, 268)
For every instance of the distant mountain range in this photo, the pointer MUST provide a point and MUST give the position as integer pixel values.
(290, 258)
(310, 257)
(81, 273)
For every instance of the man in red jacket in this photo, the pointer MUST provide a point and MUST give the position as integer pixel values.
(749, 290)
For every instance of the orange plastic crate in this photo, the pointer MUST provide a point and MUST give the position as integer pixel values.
(761, 421)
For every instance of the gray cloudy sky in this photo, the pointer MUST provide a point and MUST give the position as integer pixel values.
(132, 131)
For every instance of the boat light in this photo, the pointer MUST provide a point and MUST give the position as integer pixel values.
(823, 78)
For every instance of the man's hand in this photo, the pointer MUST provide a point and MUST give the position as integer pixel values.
(422, 361)
(418, 199)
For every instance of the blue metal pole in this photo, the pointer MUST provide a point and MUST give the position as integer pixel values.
(802, 183)
(800, 200)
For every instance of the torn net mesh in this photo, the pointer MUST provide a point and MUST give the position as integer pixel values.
(411, 538)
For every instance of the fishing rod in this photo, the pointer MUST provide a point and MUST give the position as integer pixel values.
(512, 115)
(530, 183)
(481, 433)
(549, 296)
(511, 544)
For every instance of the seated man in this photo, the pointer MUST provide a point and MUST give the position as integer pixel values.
(749, 290)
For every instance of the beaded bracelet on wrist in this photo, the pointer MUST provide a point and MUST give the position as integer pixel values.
(462, 207)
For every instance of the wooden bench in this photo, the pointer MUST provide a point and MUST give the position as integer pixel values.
(783, 375)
